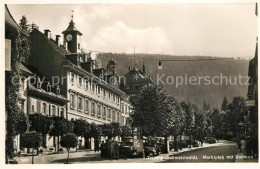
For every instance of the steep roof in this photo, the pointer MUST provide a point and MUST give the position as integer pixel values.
(135, 76)
(11, 23)
(72, 27)
(60, 49)
(22, 67)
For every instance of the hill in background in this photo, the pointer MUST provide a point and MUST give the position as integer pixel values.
(211, 94)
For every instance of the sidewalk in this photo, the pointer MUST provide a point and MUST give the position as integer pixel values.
(49, 158)
(87, 156)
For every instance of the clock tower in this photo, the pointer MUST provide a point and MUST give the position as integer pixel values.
(72, 38)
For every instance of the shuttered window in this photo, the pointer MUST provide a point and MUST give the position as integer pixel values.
(7, 54)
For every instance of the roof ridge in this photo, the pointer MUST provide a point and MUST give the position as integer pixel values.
(61, 50)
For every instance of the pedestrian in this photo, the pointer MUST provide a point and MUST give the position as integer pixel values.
(249, 146)
(239, 144)
(97, 145)
(115, 150)
(243, 145)
(255, 146)
(103, 149)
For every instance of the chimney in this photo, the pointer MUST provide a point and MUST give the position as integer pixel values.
(65, 45)
(143, 68)
(57, 39)
(97, 63)
(47, 33)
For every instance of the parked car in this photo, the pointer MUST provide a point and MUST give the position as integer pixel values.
(152, 148)
(126, 149)
(210, 140)
(150, 151)
(196, 144)
(110, 149)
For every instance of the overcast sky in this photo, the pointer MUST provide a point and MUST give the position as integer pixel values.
(227, 30)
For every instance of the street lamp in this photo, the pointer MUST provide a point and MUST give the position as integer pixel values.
(160, 65)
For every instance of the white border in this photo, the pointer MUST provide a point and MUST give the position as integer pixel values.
(101, 165)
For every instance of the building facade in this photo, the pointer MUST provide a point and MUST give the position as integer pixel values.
(36, 97)
(93, 92)
(135, 80)
(126, 110)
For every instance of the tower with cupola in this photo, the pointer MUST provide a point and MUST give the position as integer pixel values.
(72, 38)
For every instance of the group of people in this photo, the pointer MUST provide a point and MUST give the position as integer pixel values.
(108, 148)
(248, 146)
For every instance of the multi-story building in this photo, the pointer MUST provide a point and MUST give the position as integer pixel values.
(93, 92)
(251, 120)
(33, 97)
(43, 99)
(135, 80)
(126, 110)
(12, 30)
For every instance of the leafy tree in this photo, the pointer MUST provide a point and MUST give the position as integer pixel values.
(95, 130)
(194, 126)
(178, 124)
(41, 124)
(69, 140)
(126, 131)
(224, 105)
(17, 122)
(153, 109)
(111, 129)
(60, 127)
(16, 119)
(23, 48)
(200, 126)
(205, 108)
(23, 23)
(215, 121)
(187, 112)
(81, 128)
(223, 123)
(209, 126)
(235, 113)
(33, 140)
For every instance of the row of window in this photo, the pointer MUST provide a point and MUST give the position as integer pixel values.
(92, 107)
(94, 88)
(49, 109)
(125, 109)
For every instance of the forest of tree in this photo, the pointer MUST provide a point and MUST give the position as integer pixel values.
(213, 94)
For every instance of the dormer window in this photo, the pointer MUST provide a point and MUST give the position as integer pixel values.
(72, 77)
(58, 90)
(98, 90)
(48, 87)
(114, 98)
(104, 92)
(80, 81)
(38, 84)
(93, 87)
(86, 84)
(118, 99)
